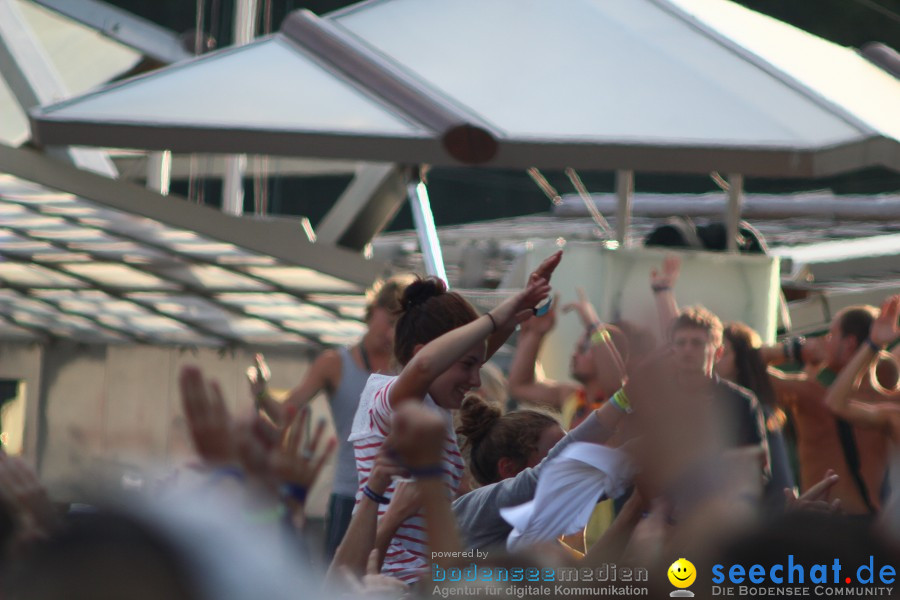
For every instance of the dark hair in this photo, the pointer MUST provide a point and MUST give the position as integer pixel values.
(99, 555)
(699, 317)
(856, 321)
(428, 311)
(490, 435)
(752, 370)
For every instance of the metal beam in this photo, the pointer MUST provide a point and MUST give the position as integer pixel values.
(624, 193)
(733, 218)
(159, 172)
(145, 36)
(283, 241)
(34, 81)
(365, 207)
(425, 228)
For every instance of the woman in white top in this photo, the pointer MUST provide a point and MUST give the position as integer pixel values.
(441, 343)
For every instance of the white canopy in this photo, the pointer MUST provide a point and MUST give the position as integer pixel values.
(646, 85)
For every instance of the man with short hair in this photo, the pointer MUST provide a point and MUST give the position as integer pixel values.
(857, 455)
(696, 337)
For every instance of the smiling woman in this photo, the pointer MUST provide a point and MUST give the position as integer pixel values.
(441, 343)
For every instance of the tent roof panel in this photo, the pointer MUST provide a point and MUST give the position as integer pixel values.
(632, 73)
(836, 73)
(301, 95)
(82, 57)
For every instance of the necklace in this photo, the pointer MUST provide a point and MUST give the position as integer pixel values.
(365, 356)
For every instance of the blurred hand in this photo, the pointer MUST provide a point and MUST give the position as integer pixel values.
(886, 327)
(373, 583)
(817, 497)
(584, 308)
(417, 435)
(22, 491)
(294, 459)
(668, 275)
(544, 324)
(520, 307)
(258, 376)
(210, 425)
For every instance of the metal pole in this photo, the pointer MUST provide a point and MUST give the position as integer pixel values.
(733, 218)
(159, 171)
(236, 165)
(624, 193)
(428, 238)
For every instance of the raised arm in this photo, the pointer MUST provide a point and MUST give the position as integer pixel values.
(435, 357)
(662, 282)
(839, 399)
(358, 542)
(603, 351)
(323, 374)
(522, 383)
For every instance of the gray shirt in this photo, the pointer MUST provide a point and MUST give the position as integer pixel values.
(344, 401)
(478, 512)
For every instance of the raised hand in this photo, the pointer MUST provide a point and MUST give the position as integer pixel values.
(886, 327)
(294, 459)
(546, 268)
(211, 427)
(258, 376)
(816, 497)
(668, 275)
(584, 308)
(544, 324)
(417, 436)
(21, 490)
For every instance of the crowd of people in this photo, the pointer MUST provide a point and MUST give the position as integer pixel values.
(698, 441)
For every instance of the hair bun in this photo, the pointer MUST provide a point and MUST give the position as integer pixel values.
(420, 291)
(476, 417)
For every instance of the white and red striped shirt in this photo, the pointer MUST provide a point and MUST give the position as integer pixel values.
(407, 556)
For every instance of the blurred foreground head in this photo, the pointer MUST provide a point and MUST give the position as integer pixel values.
(189, 547)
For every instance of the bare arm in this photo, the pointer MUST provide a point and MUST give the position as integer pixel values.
(884, 330)
(522, 383)
(360, 538)
(603, 351)
(418, 439)
(437, 356)
(323, 374)
(662, 283)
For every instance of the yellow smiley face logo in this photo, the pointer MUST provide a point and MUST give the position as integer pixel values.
(682, 573)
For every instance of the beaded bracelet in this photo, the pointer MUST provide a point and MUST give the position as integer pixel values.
(374, 496)
(660, 288)
(875, 347)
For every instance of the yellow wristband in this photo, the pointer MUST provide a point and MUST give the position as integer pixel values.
(600, 336)
(620, 401)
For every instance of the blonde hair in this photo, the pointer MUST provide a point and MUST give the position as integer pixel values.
(386, 294)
